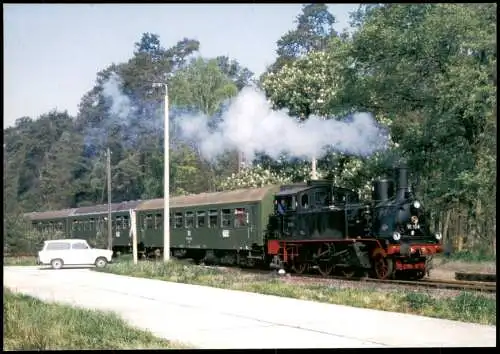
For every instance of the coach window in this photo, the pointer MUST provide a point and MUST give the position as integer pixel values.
(119, 223)
(213, 217)
(200, 218)
(240, 217)
(126, 223)
(178, 220)
(60, 226)
(189, 219)
(171, 220)
(159, 221)
(51, 226)
(92, 224)
(149, 222)
(304, 201)
(226, 217)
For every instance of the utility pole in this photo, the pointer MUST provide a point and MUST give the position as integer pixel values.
(110, 228)
(242, 162)
(5, 193)
(166, 178)
(314, 175)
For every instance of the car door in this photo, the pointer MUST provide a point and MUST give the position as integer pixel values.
(54, 250)
(80, 253)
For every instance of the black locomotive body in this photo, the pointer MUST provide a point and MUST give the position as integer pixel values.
(318, 225)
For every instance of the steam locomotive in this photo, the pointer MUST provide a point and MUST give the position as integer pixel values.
(328, 228)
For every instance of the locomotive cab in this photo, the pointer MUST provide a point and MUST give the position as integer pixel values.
(316, 210)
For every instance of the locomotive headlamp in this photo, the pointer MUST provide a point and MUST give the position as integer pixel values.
(416, 204)
(396, 236)
(438, 236)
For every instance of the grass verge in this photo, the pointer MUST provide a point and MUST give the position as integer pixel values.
(471, 256)
(19, 261)
(467, 306)
(31, 324)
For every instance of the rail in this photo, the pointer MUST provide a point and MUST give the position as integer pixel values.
(424, 283)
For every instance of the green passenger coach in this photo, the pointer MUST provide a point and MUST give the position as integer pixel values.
(225, 226)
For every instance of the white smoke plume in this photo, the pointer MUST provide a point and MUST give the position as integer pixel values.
(251, 126)
(121, 105)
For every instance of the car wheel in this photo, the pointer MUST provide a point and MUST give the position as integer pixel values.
(57, 263)
(101, 262)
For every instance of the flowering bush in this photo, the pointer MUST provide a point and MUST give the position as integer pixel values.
(309, 83)
(252, 177)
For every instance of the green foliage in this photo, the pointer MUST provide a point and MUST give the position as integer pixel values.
(476, 256)
(201, 86)
(18, 239)
(314, 28)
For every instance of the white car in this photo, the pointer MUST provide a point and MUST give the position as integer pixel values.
(59, 253)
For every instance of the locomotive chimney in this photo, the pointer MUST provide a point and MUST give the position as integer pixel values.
(402, 182)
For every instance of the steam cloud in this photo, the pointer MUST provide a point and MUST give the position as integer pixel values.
(252, 126)
(121, 105)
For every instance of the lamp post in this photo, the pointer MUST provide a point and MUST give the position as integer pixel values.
(166, 182)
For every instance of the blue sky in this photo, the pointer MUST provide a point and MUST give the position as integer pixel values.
(53, 52)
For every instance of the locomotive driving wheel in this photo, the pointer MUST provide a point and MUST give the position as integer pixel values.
(325, 266)
(299, 267)
(383, 267)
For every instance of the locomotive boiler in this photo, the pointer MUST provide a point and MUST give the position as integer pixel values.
(318, 225)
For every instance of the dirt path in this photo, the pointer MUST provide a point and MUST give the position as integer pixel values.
(444, 269)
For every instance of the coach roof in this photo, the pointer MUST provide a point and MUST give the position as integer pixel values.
(227, 197)
(47, 215)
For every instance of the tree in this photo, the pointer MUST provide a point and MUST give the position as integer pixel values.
(203, 87)
(240, 76)
(314, 29)
(57, 172)
(431, 70)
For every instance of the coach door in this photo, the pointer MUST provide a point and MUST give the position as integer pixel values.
(252, 225)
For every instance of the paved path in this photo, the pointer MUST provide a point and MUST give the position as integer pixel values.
(215, 318)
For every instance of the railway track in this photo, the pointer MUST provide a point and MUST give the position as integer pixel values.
(442, 284)
(425, 283)
(489, 287)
